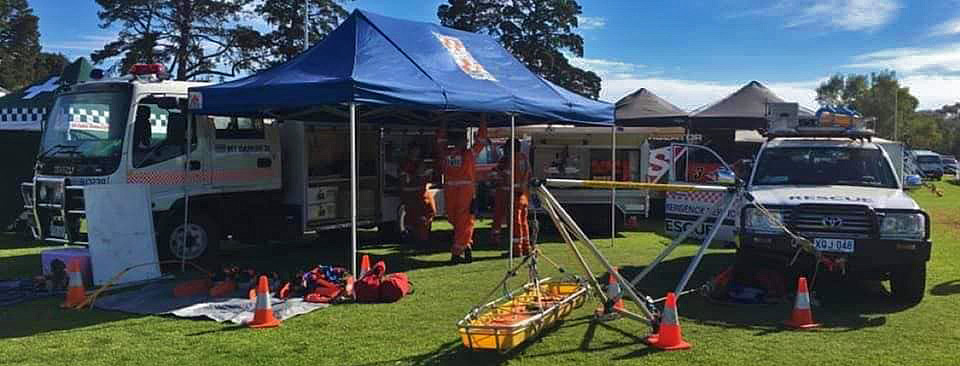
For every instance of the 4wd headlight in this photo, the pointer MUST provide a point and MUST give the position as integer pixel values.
(903, 225)
(755, 220)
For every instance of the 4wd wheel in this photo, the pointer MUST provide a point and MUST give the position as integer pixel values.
(198, 239)
(908, 283)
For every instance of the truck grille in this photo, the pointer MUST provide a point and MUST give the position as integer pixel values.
(849, 220)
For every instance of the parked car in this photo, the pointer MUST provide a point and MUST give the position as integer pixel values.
(929, 163)
(950, 165)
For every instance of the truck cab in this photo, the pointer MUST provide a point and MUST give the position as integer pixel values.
(133, 130)
(844, 194)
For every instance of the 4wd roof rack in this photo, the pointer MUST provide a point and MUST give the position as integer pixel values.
(852, 133)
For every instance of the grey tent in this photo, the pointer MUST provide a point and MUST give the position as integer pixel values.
(745, 109)
(642, 108)
(24, 109)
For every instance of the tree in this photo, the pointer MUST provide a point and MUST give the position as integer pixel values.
(537, 32)
(873, 96)
(285, 41)
(48, 64)
(193, 38)
(19, 44)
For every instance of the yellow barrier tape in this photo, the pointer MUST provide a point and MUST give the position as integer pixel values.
(634, 185)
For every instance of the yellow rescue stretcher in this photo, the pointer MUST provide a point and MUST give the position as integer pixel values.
(507, 322)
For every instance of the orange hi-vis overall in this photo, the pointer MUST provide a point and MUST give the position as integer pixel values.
(419, 203)
(521, 187)
(459, 170)
(501, 205)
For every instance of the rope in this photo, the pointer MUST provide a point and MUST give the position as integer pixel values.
(88, 301)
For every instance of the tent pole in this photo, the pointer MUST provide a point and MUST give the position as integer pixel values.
(513, 166)
(613, 177)
(353, 189)
(186, 194)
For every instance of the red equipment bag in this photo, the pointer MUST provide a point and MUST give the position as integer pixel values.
(325, 292)
(367, 289)
(394, 287)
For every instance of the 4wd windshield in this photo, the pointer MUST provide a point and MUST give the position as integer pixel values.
(824, 166)
(87, 124)
(928, 159)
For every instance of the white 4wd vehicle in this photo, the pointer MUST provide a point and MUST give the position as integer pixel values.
(842, 194)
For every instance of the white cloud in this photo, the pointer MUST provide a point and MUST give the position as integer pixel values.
(849, 15)
(610, 68)
(933, 91)
(88, 43)
(947, 28)
(690, 94)
(588, 23)
(944, 58)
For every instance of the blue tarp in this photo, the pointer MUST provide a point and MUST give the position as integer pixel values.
(374, 60)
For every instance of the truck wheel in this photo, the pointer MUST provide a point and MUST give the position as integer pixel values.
(908, 283)
(202, 238)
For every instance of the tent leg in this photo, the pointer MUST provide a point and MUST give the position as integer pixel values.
(353, 189)
(513, 166)
(613, 177)
(186, 194)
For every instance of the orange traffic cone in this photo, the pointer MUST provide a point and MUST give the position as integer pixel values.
(364, 265)
(802, 316)
(75, 290)
(670, 337)
(614, 298)
(263, 314)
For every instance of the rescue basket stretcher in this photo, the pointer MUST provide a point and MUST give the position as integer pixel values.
(510, 320)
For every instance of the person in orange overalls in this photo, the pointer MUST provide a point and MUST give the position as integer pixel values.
(418, 200)
(458, 165)
(521, 187)
(501, 205)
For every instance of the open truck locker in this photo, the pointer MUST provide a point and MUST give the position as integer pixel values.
(565, 152)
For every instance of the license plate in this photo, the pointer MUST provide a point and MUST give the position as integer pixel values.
(834, 245)
(57, 231)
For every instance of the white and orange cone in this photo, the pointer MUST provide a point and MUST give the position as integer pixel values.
(670, 336)
(802, 315)
(614, 298)
(263, 316)
(76, 294)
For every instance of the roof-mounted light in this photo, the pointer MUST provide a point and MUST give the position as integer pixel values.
(148, 71)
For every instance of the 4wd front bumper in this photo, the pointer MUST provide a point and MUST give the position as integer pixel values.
(869, 255)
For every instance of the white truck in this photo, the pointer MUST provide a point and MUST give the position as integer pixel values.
(247, 179)
(841, 190)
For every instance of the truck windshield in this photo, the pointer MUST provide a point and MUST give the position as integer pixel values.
(824, 166)
(87, 124)
(928, 159)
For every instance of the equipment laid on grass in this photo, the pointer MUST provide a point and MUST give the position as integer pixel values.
(263, 316)
(377, 286)
(521, 315)
(802, 315)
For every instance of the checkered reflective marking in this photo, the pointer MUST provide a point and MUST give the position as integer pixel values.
(22, 114)
(178, 177)
(704, 197)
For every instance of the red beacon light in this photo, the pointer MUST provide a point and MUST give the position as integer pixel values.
(142, 71)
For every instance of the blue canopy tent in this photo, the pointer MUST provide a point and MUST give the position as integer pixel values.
(384, 70)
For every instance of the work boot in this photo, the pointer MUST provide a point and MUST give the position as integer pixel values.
(468, 255)
(457, 259)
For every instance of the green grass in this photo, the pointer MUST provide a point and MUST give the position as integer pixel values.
(860, 328)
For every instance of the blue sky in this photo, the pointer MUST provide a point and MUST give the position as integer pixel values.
(694, 52)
